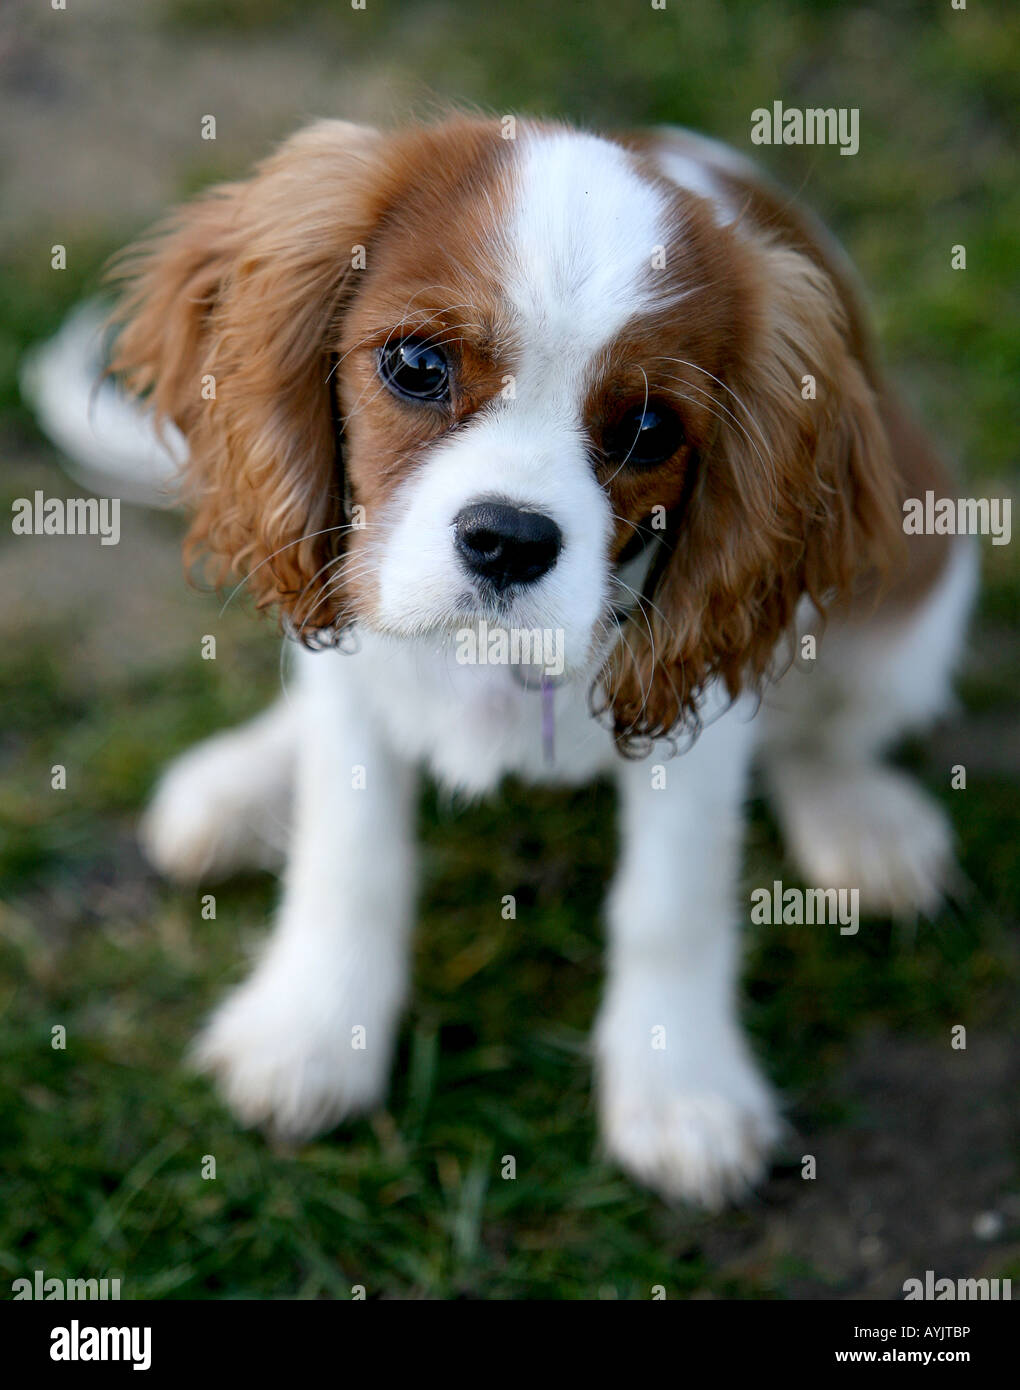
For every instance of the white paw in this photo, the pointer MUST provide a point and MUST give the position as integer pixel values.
(699, 1147)
(869, 828)
(291, 1054)
(696, 1120)
(210, 816)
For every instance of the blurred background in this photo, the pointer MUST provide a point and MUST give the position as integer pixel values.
(101, 1145)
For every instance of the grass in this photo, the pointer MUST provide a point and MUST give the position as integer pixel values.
(102, 1145)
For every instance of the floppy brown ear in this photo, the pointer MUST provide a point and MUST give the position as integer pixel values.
(797, 495)
(229, 319)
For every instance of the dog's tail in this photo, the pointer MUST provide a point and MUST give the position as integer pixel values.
(109, 441)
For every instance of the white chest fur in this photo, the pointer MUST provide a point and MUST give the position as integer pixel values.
(470, 724)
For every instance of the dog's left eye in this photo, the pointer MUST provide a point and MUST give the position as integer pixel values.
(412, 369)
(644, 436)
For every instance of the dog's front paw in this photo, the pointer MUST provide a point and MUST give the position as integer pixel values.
(291, 1053)
(683, 1108)
(702, 1147)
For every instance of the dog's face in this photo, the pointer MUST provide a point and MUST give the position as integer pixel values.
(461, 376)
(514, 379)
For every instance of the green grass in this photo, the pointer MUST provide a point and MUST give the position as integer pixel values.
(102, 1145)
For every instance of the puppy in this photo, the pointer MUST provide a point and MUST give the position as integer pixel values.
(558, 455)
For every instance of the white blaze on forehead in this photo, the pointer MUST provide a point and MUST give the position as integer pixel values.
(582, 234)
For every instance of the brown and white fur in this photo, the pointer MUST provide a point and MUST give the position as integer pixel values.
(569, 281)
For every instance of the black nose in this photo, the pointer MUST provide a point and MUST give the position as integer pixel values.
(505, 544)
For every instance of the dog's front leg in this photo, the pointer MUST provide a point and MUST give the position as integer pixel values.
(308, 1038)
(683, 1107)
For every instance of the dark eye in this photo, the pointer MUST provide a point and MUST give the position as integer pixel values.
(644, 436)
(411, 368)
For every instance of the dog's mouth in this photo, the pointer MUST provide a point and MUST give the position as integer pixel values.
(538, 657)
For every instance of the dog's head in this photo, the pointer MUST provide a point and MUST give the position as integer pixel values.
(442, 374)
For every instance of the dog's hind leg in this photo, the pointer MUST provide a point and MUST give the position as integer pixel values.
(225, 804)
(849, 820)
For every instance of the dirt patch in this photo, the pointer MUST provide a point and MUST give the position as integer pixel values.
(921, 1177)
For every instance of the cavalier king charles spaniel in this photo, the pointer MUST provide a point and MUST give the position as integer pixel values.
(559, 455)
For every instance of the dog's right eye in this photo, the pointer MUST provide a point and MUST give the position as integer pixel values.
(414, 370)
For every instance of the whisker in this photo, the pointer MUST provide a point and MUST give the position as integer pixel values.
(636, 526)
(637, 434)
(641, 600)
(334, 560)
(354, 568)
(708, 404)
(682, 362)
(768, 464)
(298, 541)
